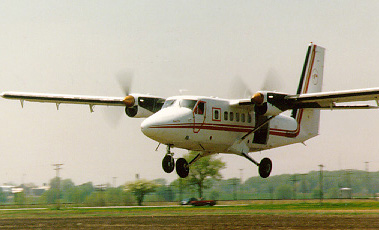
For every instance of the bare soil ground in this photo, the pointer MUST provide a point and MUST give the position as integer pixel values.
(180, 222)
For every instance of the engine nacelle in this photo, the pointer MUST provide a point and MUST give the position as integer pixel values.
(143, 105)
(269, 103)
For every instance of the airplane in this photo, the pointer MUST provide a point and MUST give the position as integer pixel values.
(211, 125)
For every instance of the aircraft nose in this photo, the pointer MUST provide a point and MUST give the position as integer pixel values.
(146, 127)
(163, 125)
(150, 127)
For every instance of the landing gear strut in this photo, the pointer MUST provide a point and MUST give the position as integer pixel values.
(264, 167)
(168, 163)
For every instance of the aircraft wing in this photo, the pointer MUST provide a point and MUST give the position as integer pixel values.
(138, 105)
(329, 100)
(65, 99)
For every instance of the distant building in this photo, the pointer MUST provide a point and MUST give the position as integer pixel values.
(7, 188)
(40, 190)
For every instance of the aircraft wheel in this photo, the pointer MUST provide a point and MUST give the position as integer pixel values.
(168, 164)
(182, 167)
(265, 167)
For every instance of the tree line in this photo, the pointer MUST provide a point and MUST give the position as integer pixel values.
(205, 181)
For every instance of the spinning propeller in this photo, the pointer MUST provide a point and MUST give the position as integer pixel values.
(113, 114)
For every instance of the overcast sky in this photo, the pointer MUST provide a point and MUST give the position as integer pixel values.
(77, 47)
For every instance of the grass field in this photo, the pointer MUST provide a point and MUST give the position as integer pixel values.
(253, 215)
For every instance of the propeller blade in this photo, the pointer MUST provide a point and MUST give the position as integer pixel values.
(113, 115)
(272, 81)
(239, 89)
(125, 81)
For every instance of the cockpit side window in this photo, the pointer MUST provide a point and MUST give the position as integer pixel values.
(168, 103)
(200, 108)
(187, 103)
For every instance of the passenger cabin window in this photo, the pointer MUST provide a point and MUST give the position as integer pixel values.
(249, 118)
(226, 116)
(200, 108)
(216, 114)
(243, 117)
(231, 116)
(237, 117)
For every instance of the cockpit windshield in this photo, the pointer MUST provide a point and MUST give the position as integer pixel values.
(187, 103)
(168, 103)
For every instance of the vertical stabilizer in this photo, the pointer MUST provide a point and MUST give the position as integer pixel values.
(310, 82)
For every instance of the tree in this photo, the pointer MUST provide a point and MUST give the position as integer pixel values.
(140, 188)
(78, 194)
(165, 193)
(284, 191)
(19, 198)
(204, 169)
(3, 196)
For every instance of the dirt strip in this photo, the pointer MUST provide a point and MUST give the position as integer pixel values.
(261, 221)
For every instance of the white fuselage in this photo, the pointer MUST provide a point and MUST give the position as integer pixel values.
(216, 125)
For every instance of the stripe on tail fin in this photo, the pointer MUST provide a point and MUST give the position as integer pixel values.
(312, 75)
(310, 82)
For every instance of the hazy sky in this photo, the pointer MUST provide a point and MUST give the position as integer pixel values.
(77, 47)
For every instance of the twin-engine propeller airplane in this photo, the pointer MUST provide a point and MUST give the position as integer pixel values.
(212, 125)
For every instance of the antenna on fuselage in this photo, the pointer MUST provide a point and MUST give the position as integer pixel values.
(181, 91)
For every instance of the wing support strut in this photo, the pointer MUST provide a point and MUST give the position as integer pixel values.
(257, 128)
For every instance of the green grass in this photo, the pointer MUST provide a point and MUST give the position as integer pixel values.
(270, 208)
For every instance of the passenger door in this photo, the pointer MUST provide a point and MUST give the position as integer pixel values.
(199, 115)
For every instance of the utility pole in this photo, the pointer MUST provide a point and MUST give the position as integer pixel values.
(294, 181)
(57, 168)
(114, 181)
(241, 174)
(234, 183)
(303, 185)
(348, 178)
(321, 183)
(368, 182)
(180, 189)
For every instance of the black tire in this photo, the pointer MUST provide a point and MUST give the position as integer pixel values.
(265, 167)
(168, 164)
(182, 167)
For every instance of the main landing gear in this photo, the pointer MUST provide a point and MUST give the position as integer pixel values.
(264, 167)
(182, 166)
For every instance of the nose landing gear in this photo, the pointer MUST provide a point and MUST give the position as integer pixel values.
(168, 164)
(182, 166)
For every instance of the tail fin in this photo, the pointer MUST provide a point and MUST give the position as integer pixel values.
(311, 82)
